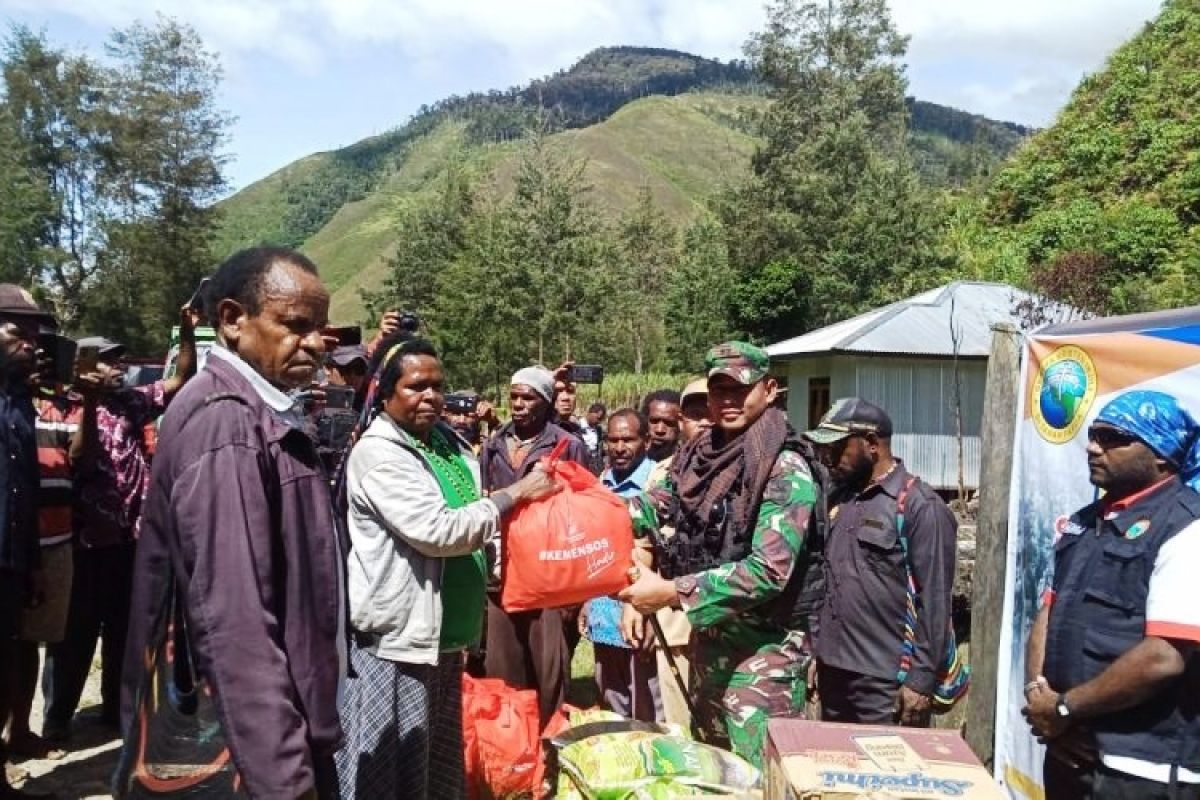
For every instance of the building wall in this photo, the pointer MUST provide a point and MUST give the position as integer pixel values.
(798, 374)
(918, 394)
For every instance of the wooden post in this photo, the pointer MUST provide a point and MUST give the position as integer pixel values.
(991, 546)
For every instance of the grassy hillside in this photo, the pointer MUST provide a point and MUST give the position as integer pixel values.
(673, 122)
(1105, 204)
(682, 148)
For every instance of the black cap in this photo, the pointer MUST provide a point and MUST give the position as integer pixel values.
(851, 415)
(346, 355)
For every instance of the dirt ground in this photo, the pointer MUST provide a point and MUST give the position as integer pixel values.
(85, 771)
(91, 753)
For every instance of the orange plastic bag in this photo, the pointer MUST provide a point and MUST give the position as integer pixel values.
(502, 749)
(569, 547)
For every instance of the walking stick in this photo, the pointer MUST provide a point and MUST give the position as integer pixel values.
(671, 665)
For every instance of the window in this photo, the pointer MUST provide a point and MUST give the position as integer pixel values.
(818, 400)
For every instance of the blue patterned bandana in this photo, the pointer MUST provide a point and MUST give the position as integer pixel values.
(1159, 421)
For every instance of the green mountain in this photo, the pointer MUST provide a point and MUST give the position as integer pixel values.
(676, 123)
(1102, 209)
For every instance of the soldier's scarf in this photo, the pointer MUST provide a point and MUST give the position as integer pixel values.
(709, 469)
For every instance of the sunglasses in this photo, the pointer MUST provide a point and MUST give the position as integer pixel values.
(1108, 438)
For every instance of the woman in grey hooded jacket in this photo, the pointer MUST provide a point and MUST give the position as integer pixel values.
(416, 580)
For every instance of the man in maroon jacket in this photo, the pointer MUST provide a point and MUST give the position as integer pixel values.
(238, 519)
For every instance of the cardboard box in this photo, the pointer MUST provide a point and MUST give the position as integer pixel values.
(834, 761)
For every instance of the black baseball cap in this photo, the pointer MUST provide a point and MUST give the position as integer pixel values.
(346, 355)
(850, 415)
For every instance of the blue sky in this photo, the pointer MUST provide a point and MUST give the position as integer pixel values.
(309, 75)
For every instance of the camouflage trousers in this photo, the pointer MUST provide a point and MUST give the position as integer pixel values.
(740, 686)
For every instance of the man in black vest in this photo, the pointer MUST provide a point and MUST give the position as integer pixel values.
(1113, 680)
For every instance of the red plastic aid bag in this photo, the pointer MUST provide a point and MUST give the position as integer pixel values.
(501, 748)
(569, 547)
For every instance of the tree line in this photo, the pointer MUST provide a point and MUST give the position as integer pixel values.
(110, 170)
(832, 219)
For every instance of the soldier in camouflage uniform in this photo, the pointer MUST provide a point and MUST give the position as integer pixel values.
(740, 498)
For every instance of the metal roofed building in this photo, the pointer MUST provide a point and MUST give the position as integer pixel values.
(902, 358)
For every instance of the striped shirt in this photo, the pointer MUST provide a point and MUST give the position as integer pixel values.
(58, 418)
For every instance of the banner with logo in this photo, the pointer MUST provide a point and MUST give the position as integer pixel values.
(1069, 372)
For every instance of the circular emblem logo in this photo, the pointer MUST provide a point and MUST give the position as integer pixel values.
(1063, 391)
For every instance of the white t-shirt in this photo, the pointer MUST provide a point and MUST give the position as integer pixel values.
(1171, 613)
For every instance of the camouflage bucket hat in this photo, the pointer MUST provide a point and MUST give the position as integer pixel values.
(741, 361)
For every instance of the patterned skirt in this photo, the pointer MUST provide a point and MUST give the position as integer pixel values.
(403, 726)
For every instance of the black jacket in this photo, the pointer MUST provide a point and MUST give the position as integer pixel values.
(19, 550)
(861, 616)
(497, 473)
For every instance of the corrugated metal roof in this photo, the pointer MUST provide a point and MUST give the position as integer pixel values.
(920, 325)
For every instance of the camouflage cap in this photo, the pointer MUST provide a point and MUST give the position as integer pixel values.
(741, 361)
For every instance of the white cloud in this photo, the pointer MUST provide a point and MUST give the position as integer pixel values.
(1068, 30)
(1016, 59)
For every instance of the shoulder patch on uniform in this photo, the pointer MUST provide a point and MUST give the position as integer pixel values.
(1137, 529)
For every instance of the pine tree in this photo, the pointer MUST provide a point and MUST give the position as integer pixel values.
(646, 255)
(54, 100)
(698, 298)
(163, 169)
(833, 217)
(25, 205)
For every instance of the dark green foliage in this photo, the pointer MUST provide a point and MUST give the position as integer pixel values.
(125, 158)
(1117, 177)
(699, 296)
(51, 97)
(640, 273)
(540, 276)
(25, 204)
(834, 219)
(432, 238)
(162, 172)
(608, 78)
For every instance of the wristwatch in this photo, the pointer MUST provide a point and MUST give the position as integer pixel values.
(1061, 708)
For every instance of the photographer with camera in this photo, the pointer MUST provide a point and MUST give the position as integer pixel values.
(347, 366)
(341, 401)
(392, 323)
(112, 473)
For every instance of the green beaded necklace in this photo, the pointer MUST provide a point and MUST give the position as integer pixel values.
(450, 468)
(464, 578)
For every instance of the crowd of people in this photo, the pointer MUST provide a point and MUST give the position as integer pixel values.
(324, 584)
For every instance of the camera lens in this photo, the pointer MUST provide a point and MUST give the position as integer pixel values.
(410, 323)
